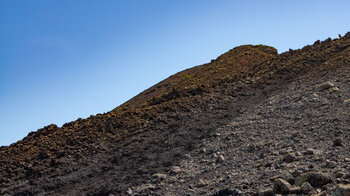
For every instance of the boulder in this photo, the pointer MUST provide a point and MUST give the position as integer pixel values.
(281, 186)
(285, 175)
(341, 190)
(306, 188)
(316, 179)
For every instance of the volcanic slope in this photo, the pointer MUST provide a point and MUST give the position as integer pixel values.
(247, 118)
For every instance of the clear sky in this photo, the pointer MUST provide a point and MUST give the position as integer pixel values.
(65, 59)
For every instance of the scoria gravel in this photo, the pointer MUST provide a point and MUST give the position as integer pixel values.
(251, 122)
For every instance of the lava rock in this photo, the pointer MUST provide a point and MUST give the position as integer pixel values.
(226, 192)
(267, 192)
(331, 164)
(289, 158)
(324, 86)
(220, 159)
(159, 176)
(306, 188)
(339, 174)
(295, 190)
(337, 142)
(175, 170)
(42, 155)
(309, 151)
(323, 193)
(316, 179)
(202, 183)
(341, 190)
(281, 186)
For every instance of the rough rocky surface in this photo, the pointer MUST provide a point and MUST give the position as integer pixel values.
(251, 122)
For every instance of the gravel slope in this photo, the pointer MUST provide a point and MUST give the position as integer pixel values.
(263, 117)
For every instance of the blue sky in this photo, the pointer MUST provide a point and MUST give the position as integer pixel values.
(61, 59)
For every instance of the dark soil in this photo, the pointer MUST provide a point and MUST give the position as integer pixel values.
(232, 126)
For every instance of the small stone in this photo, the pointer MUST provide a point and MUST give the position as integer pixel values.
(295, 133)
(201, 183)
(244, 186)
(261, 155)
(175, 170)
(267, 192)
(294, 190)
(337, 142)
(129, 191)
(339, 174)
(217, 134)
(327, 188)
(323, 193)
(221, 159)
(347, 176)
(145, 187)
(295, 173)
(281, 186)
(306, 188)
(289, 158)
(42, 155)
(227, 191)
(331, 164)
(324, 86)
(341, 190)
(334, 89)
(268, 164)
(309, 151)
(159, 176)
(250, 148)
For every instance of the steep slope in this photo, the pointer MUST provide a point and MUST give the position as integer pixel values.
(300, 127)
(232, 64)
(227, 123)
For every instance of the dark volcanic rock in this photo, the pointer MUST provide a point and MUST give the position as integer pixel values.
(316, 179)
(337, 142)
(281, 186)
(249, 117)
(341, 190)
(227, 192)
(289, 158)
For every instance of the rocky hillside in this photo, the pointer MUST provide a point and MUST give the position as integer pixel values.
(251, 122)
